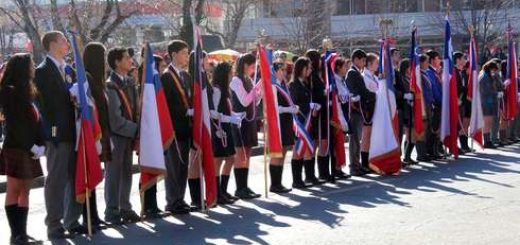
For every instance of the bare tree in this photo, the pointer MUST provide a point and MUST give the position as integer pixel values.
(186, 32)
(487, 18)
(92, 25)
(235, 12)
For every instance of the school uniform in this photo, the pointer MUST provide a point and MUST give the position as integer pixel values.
(122, 113)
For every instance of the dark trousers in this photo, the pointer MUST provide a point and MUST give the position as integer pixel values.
(354, 143)
(59, 190)
(177, 159)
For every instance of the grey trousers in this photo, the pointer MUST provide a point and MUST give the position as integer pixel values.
(495, 128)
(354, 142)
(176, 172)
(118, 177)
(59, 189)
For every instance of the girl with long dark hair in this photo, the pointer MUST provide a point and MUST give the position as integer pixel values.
(245, 97)
(223, 142)
(24, 142)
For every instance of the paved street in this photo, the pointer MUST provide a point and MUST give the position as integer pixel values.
(472, 201)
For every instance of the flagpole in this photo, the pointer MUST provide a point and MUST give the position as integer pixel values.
(327, 45)
(87, 194)
(262, 36)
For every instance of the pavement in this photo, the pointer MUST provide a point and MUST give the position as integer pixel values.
(473, 200)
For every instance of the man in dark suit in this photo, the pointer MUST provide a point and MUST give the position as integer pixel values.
(122, 108)
(359, 97)
(53, 83)
(178, 91)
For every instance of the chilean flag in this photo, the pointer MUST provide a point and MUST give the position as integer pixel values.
(384, 152)
(416, 86)
(338, 119)
(156, 128)
(88, 165)
(274, 142)
(476, 123)
(201, 121)
(450, 107)
(511, 84)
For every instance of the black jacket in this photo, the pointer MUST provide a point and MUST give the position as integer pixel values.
(22, 121)
(356, 86)
(181, 122)
(301, 96)
(55, 103)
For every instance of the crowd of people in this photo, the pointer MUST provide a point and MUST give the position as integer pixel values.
(39, 110)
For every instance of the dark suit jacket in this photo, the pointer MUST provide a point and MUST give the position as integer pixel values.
(120, 121)
(181, 122)
(55, 103)
(356, 86)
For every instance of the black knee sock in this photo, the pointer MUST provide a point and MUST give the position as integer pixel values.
(463, 142)
(296, 168)
(194, 185)
(487, 138)
(309, 169)
(11, 212)
(274, 175)
(23, 212)
(364, 159)
(323, 167)
(241, 177)
(224, 180)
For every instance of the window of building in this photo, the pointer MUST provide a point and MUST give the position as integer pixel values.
(432, 5)
(375, 7)
(343, 7)
(358, 7)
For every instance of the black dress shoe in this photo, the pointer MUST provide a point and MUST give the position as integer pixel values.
(341, 175)
(59, 234)
(358, 173)
(300, 185)
(314, 181)
(79, 230)
(490, 145)
(223, 200)
(246, 193)
(181, 208)
(130, 216)
(230, 197)
(279, 189)
(424, 159)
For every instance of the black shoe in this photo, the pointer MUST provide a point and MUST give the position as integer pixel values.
(152, 214)
(224, 200)
(410, 162)
(113, 219)
(358, 173)
(341, 175)
(300, 185)
(129, 216)
(78, 230)
(279, 189)
(314, 181)
(59, 234)
(424, 159)
(489, 145)
(246, 193)
(230, 197)
(181, 208)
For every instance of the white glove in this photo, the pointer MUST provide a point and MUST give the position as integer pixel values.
(314, 106)
(235, 120)
(500, 95)
(99, 148)
(241, 115)
(189, 112)
(283, 109)
(408, 96)
(355, 98)
(343, 97)
(295, 109)
(215, 115)
(37, 151)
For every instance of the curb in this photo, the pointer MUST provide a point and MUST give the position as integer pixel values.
(38, 182)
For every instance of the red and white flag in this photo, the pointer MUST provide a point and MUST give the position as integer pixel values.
(476, 123)
(511, 83)
(274, 140)
(450, 107)
(156, 128)
(201, 120)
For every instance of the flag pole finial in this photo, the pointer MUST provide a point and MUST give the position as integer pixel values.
(471, 30)
(448, 8)
(384, 26)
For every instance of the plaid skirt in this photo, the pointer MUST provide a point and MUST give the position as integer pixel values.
(19, 164)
